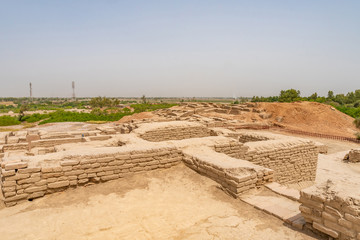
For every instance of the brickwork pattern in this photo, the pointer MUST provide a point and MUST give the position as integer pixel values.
(20, 182)
(175, 133)
(333, 215)
(291, 164)
(234, 181)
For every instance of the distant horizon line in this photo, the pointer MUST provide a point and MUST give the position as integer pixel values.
(131, 97)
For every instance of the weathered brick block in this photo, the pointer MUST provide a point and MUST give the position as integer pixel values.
(9, 183)
(35, 189)
(69, 163)
(109, 177)
(9, 194)
(325, 230)
(29, 170)
(36, 195)
(16, 198)
(18, 165)
(339, 228)
(74, 172)
(8, 173)
(352, 218)
(59, 184)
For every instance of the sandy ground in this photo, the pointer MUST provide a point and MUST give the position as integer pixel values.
(137, 116)
(176, 203)
(67, 126)
(332, 166)
(54, 127)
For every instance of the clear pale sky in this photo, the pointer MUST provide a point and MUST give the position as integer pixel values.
(178, 48)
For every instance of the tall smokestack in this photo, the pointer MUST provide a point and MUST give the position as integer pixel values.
(73, 88)
(31, 92)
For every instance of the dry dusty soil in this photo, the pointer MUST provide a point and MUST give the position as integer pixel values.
(175, 203)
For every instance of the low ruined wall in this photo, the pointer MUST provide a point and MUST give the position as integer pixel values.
(175, 133)
(233, 149)
(54, 142)
(216, 124)
(16, 146)
(235, 179)
(252, 138)
(20, 182)
(292, 161)
(335, 215)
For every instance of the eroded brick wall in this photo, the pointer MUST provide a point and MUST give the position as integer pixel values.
(252, 138)
(20, 182)
(336, 216)
(233, 149)
(292, 162)
(235, 180)
(175, 133)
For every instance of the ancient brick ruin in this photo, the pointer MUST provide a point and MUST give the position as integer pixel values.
(36, 163)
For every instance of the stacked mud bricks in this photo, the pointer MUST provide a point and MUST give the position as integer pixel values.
(234, 181)
(334, 215)
(21, 182)
(292, 161)
(176, 133)
(233, 149)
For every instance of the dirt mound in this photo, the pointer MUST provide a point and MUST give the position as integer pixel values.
(311, 117)
(137, 116)
(305, 116)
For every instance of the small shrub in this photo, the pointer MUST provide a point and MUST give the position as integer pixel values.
(96, 111)
(34, 117)
(357, 122)
(357, 104)
(357, 135)
(8, 121)
(353, 112)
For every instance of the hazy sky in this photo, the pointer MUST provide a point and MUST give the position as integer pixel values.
(178, 48)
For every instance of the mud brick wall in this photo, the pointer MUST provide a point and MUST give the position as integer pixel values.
(235, 181)
(252, 138)
(15, 146)
(291, 161)
(338, 217)
(175, 133)
(54, 142)
(99, 138)
(20, 182)
(216, 124)
(234, 149)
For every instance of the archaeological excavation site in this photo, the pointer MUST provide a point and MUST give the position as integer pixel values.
(188, 172)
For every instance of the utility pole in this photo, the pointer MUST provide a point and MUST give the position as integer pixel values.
(73, 88)
(31, 92)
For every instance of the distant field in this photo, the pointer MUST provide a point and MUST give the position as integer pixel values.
(96, 115)
(8, 104)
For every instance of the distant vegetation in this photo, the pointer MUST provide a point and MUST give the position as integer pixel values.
(8, 121)
(57, 103)
(98, 114)
(102, 109)
(104, 102)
